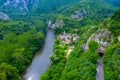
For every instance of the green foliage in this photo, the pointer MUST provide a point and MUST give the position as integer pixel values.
(113, 23)
(58, 62)
(111, 55)
(79, 66)
(93, 45)
(116, 16)
(70, 26)
(114, 2)
(20, 40)
(92, 11)
(49, 6)
(111, 62)
(8, 72)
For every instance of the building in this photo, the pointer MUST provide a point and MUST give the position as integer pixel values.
(68, 38)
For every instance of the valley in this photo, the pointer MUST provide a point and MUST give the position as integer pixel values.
(59, 40)
(41, 60)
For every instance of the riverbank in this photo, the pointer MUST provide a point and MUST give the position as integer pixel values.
(41, 60)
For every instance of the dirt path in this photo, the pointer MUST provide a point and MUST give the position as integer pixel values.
(69, 51)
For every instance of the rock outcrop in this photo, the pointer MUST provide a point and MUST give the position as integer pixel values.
(58, 23)
(102, 36)
(4, 16)
(79, 14)
(20, 5)
(51, 25)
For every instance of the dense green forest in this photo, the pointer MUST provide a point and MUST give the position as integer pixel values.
(24, 33)
(111, 58)
(81, 64)
(114, 2)
(18, 42)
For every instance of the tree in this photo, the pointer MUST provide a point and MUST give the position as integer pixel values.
(3, 76)
(93, 45)
(8, 72)
(116, 16)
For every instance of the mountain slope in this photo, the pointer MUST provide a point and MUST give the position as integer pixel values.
(35, 5)
(88, 19)
(112, 52)
(81, 64)
(79, 14)
(14, 8)
(114, 2)
(51, 5)
(89, 9)
(19, 40)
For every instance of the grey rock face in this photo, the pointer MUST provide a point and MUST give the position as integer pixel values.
(3, 16)
(21, 5)
(102, 36)
(58, 23)
(51, 24)
(79, 14)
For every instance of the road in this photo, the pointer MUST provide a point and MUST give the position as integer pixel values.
(99, 74)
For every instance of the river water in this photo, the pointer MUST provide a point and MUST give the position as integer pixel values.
(41, 60)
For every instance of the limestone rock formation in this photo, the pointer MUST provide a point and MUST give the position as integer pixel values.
(20, 5)
(3, 16)
(102, 36)
(79, 14)
(58, 23)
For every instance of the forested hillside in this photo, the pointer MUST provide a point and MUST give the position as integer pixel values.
(81, 27)
(18, 42)
(32, 6)
(19, 8)
(81, 64)
(52, 5)
(114, 2)
(111, 58)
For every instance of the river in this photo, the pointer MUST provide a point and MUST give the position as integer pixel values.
(41, 60)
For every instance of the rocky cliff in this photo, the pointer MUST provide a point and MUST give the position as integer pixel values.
(3, 16)
(20, 5)
(102, 36)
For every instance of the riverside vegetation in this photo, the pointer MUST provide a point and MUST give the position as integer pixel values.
(18, 42)
(22, 35)
(81, 65)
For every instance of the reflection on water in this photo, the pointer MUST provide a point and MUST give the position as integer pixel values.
(41, 61)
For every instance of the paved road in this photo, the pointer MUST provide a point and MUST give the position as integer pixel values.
(99, 74)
